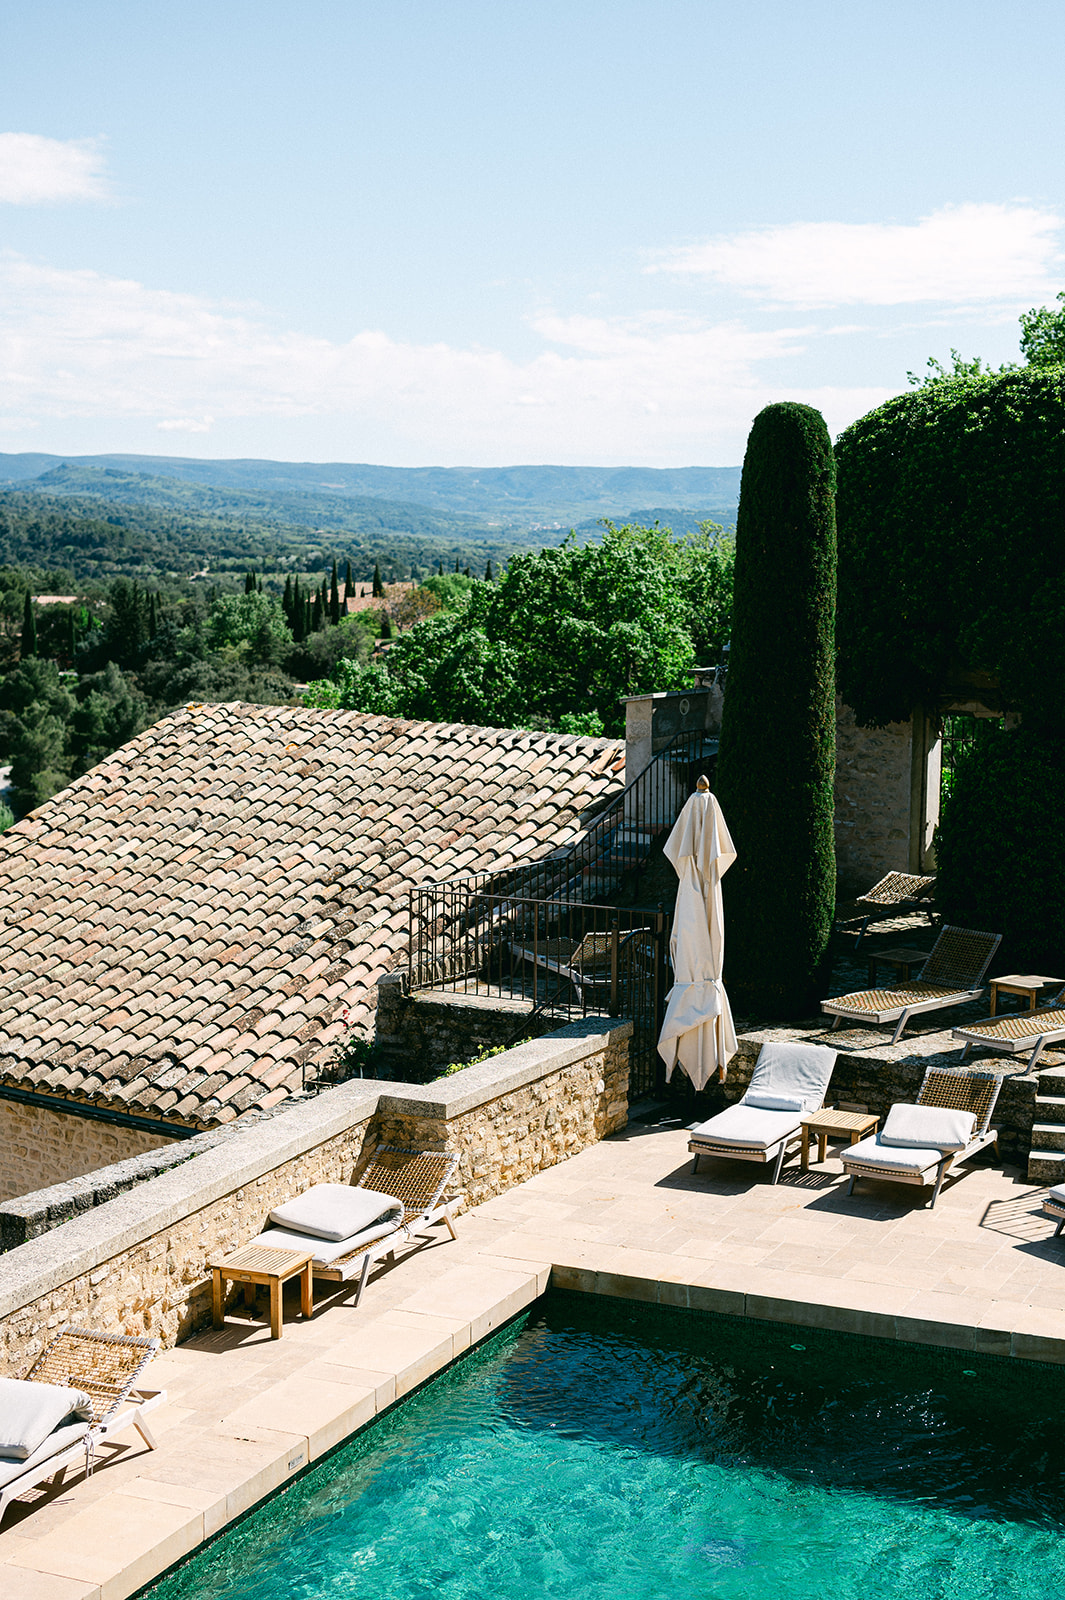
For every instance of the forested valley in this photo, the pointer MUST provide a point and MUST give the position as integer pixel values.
(113, 611)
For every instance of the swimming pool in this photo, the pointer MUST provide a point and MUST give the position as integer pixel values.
(606, 1450)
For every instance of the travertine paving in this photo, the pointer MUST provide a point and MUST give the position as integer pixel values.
(245, 1412)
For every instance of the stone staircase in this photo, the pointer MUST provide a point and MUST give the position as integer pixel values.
(1046, 1162)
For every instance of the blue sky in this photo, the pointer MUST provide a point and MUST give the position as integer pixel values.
(447, 231)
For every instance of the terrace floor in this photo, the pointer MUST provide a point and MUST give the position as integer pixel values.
(627, 1218)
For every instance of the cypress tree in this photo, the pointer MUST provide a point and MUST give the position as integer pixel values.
(440, 569)
(466, 572)
(286, 601)
(308, 613)
(29, 628)
(318, 615)
(249, 583)
(777, 757)
(349, 584)
(378, 586)
(153, 616)
(72, 635)
(386, 626)
(334, 596)
(488, 574)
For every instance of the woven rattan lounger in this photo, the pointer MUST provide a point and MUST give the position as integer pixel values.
(788, 1081)
(586, 963)
(893, 896)
(952, 975)
(1016, 1031)
(106, 1367)
(418, 1178)
(929, 1162)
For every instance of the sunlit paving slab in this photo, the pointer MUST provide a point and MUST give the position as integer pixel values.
(626, 1218)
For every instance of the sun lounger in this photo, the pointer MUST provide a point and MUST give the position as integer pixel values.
(1054, 1206)
(103, 1372)
(1017, 1031)
(400, 1194)
(952, 975)
(588, 963)
(894, 896)
(920, 1144)
(788, 1081)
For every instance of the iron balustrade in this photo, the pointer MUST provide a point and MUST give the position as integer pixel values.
(566, 958)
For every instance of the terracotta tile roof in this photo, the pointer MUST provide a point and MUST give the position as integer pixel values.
(182, 925)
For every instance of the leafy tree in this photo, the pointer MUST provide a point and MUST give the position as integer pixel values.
(35, 708)
(125, 633)
(29, 628)
(110, 711)
(777, 755)
(251, 625)
(1043, 335)
(564, 631)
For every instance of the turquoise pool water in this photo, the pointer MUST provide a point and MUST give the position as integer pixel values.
(615, 1452)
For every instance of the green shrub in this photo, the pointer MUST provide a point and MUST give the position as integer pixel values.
(485, 1055)
(777, 756)
(952, 545)
(1000, 847)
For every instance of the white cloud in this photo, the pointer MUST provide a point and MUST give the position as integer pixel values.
(36, 171)
(958, 255)
(649, 389)
(185, 425)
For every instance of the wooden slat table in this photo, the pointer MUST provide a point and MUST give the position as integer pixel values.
(259, 1263)
(902, 957)
(1025, 984)
(853, 1125)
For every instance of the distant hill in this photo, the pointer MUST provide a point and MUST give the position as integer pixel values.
(508, 499)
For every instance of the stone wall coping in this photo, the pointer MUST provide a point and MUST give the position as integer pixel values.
(445, 1098)
(40, 1265)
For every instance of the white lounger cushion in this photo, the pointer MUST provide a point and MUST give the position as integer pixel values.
(52, 1445)
(326, 1251)
(801, 1071)
(1057, 1194)
(891, 1157)
(336, 1211)
(774, 1102)
(29, 1412)
(748, 1126)
(927, 1127)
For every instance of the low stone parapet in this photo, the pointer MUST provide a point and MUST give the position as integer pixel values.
(136, 1264)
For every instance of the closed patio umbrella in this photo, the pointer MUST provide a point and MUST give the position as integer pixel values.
(698, 1033)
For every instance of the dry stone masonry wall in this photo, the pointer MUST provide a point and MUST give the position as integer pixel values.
(137, 1263)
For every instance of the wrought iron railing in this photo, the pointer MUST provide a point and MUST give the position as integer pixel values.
(567, 957)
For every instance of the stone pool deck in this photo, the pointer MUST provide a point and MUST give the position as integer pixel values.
(626, 1217)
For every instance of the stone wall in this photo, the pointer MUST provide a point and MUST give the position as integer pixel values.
(40, 1147)
(420, 1034)
(137, 1263)
(873, 783)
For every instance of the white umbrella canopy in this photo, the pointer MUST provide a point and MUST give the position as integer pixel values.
(698, 1034)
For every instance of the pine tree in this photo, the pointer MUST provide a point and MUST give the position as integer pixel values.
(349, 584)
(29, 629)
(334, 597)
(777, 756)
(378, 586)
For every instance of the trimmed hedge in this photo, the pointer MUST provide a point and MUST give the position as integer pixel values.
(951, 514)
(1001, 848)
(777, 754)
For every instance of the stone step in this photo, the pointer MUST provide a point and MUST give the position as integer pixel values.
(1046, 1166)
(1048, 1136)
(1051, 1080)
(1050, 1107)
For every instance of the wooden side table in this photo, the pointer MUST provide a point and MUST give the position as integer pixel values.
(853, 1125)
(903, 957)
(1026, 984)
(260, 1263)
